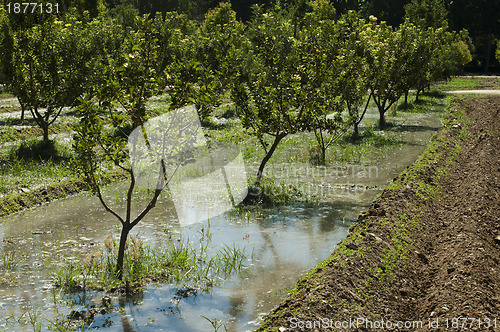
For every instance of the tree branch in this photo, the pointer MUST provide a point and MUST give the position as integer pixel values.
(99, 194)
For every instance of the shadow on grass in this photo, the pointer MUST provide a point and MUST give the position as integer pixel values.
(410, 128)
(432, 101)
(36, 150)
(370, 137)
(210, 123)
(18, 122)
(435, 94)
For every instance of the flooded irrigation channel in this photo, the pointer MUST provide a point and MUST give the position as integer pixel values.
(280, 244)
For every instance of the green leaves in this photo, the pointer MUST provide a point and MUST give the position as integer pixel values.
(292, 82)
(49, 67)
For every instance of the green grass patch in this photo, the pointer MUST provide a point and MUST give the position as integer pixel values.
(273, 192)
(19, 175)
(429, 101)
(39, 150)
(199, 264)
(10, 133)
(469, 83)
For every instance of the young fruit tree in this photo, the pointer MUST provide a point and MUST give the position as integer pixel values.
(352, 84)
(384, 62)
(120, 100)
(155, 150)
(288, 86)
(49, 69)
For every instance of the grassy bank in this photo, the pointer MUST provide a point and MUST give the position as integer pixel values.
(364, 272)
(469, 83)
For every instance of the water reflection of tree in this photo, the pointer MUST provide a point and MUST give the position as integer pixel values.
(266, 283)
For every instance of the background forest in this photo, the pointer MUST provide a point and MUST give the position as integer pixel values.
(479, 17)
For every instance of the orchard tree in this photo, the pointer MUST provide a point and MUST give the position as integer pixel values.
(132, 77)
(416, 51)
(480, 18)
(384, 63)
(427, 14)
(329, 55)
(268, 94)
(433, 52)
(353, 85)
(220, 43)
(174, 43)
(162, 147)
(288, 86)
(209, 62)
(451, 51)
(6, 43)
(106, 43)
(49, 68)
(129, 82)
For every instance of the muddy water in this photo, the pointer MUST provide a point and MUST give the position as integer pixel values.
(282, 243)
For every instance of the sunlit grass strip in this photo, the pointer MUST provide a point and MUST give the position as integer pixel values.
(468, 83)
(16, 174)
(10, 134)
(180, 261)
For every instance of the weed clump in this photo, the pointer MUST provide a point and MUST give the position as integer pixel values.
(179, 261)
(271, 192)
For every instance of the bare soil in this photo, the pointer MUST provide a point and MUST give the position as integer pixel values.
(428, 249)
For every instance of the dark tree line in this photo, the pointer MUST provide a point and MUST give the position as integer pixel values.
(480, 17)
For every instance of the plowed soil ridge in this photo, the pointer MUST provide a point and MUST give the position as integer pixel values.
(427, 250)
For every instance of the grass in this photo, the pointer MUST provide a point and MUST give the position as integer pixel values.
(32, 164)
(33, 319)
(429, 101)
(440, 148)
(11, 134)
(180, 261)
(10, 259)
(217, 324)
(469, 83)
(271, 191)
(297, 148)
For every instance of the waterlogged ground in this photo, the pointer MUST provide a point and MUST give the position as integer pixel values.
(268, 238)
(281, 243)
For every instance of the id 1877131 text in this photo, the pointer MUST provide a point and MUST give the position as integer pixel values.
(32, 8)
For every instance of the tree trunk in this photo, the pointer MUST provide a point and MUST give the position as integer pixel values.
(121, 250)
(381, 120)
(45, 128)
(277, 140)
(406, 97)
(22, 110)
(356, 129)
(417, 95)
(381, 112)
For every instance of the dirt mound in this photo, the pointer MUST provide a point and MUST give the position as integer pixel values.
(426, 255)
